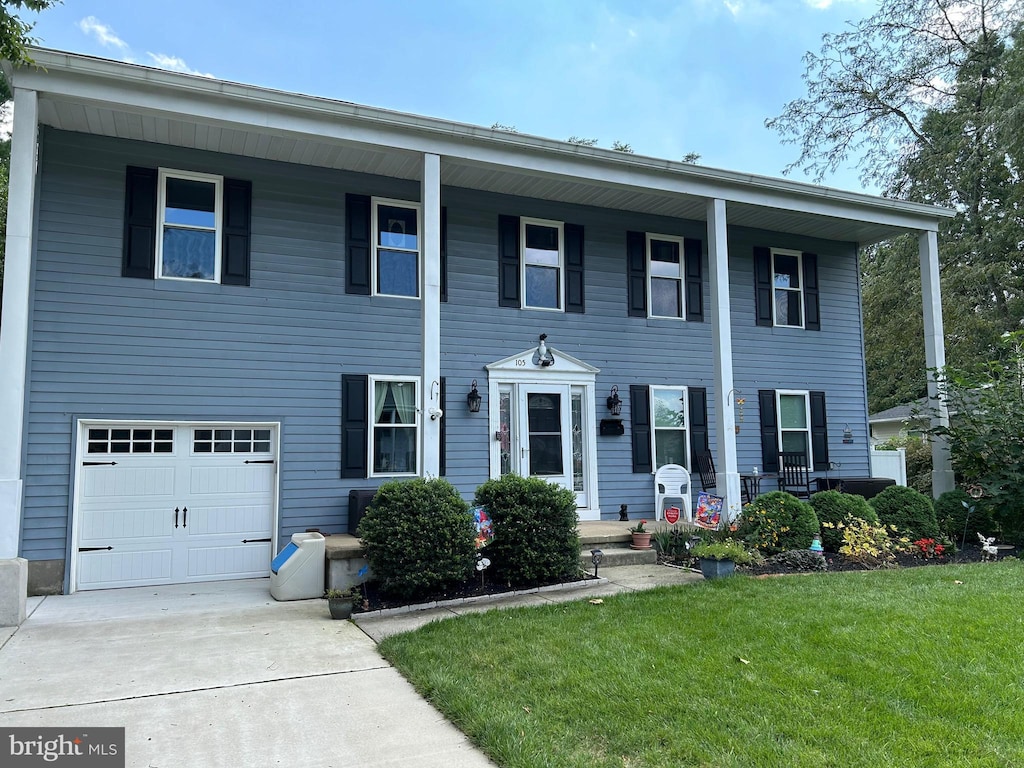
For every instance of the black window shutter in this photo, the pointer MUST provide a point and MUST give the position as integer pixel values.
(508, 261)
(357, 244)
(574, 298)
(444, 255)
(812, 312)
(354, 425)
(443, 405)
(694, 280)
(769, 430)
(235, 244)
(698, 422)
(819, 432)
(636, 273)
(763, 286)
(138, 257)
(640, 416)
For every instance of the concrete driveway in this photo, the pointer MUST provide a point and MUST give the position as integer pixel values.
(219, 674)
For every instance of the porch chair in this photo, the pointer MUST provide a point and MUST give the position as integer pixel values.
(672, 481)
(706, 468)
(794, 475)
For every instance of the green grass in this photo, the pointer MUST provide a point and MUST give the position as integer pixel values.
(894, 668)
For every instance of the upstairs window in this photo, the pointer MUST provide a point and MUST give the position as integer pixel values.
(188, 243)
(542, 264)
(396, 250)
(666, 270)
(787, 288)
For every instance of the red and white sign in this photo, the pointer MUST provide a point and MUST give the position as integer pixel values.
(672, 515)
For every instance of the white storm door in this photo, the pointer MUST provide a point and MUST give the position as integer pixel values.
(545, 433)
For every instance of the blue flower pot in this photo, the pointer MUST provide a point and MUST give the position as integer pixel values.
(716, 569)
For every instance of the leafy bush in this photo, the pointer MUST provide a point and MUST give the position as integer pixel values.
(835, 507)
(418, 537)
(869, 544)
(954, 518)
(723, 550)
(777, 521)
(909, 512)
(798, 560)
(535, 540)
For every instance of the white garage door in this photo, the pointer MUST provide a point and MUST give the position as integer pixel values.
(167, 504)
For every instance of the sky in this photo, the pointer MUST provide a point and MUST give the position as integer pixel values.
(668, 77)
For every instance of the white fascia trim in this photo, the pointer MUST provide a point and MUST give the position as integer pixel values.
(88, 79)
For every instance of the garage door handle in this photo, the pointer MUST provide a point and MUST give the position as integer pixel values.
(184, 517)
(176, 517)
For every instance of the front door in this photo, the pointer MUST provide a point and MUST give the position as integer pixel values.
(545, 434)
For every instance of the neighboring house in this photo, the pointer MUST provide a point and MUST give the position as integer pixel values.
(907, 420)
(227, 307)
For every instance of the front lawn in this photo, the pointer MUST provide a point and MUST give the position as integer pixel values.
(893, 668)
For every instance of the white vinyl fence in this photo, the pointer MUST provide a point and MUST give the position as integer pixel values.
(892, 463)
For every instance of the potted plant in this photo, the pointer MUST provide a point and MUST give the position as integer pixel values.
(340, 602)
(719, 558)
(641, 536)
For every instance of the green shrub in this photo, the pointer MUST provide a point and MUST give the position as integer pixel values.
(835, 507)
(730, 549)
(798, 560)
(954, 518)
(909, 511)
(535, 540)
(777, 521)
(418, 537)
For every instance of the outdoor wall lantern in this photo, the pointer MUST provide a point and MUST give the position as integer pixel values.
(543, 357)
(473, 399)
(595, 558)
(614, 402)
(847, 434)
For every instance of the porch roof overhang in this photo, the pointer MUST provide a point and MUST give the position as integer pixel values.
(99, 96)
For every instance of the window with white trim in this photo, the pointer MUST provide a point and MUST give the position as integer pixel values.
(189, 221)
(396, 248)
(543, 263)
(394, 438)
(666, 273)
(794, 411)
(668, 426)
(787, 288)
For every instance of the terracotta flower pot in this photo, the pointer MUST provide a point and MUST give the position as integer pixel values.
(641, 541)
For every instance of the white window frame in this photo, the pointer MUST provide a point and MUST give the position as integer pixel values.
(685, 428)
(560, 293)
(375, 203)
(372, 423)
(681, 277)
(806, 395)
(799, 291)
(161, 215)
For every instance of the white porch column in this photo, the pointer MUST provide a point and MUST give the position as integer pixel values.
(934, 355)
(430, 195)
(14, 351)
(728, 477)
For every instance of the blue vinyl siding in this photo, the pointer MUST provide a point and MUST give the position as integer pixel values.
(104, 346)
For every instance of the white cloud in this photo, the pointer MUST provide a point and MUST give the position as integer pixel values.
(823, 5)
(103, 34)
(175, 64)
(106, 37)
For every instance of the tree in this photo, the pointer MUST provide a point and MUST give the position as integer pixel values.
(927, 93)
(986, 439)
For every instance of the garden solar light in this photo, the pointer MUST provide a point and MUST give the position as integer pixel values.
(595, 558)
(816, 545)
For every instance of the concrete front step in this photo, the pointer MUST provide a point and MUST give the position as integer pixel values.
(615, 556)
